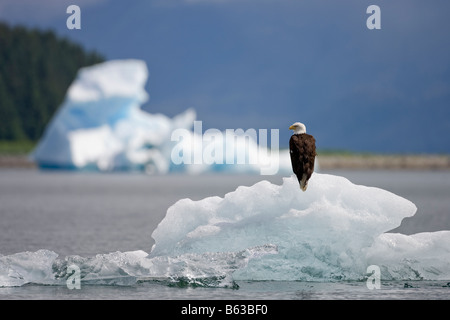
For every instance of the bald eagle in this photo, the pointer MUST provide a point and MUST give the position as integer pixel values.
(302, 148)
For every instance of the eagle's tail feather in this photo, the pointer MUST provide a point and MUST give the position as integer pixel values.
(303, 183)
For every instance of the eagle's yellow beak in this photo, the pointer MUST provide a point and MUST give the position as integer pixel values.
(291, 127)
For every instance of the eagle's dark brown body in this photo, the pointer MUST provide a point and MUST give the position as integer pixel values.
(302, 148)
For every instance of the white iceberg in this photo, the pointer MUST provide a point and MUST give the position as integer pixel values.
(101, 126)
(335, 230)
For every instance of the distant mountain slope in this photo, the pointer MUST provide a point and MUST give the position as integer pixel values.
(36, 68)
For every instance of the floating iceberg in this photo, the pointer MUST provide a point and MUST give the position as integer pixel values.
(101, 126)
(213, 269)
(334, 231)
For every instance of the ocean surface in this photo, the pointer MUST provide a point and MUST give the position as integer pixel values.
(87, 214)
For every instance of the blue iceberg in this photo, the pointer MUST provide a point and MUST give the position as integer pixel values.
(101, 127)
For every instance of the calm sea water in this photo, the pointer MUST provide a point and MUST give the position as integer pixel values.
(87, 214)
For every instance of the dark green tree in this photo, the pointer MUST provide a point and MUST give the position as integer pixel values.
(36, 69)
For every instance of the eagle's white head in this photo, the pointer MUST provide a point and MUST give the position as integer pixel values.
(298, 128)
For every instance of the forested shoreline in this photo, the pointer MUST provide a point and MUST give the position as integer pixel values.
(36, 69)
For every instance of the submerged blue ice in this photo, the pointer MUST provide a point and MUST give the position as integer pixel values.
(334, 231)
